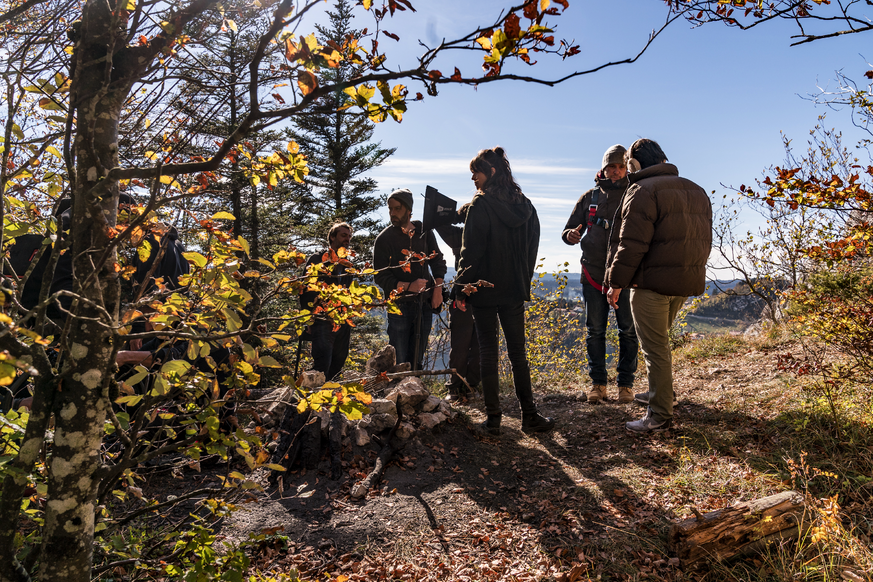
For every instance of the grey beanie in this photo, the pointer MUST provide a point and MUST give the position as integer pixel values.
(404, 196)
(614, 155)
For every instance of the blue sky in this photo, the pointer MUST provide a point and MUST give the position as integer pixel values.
(715, 98)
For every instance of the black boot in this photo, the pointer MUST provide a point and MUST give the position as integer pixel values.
(535, 422)
(491, 425)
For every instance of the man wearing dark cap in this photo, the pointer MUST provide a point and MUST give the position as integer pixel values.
(409, 261)
(658, 247)
(589, 226)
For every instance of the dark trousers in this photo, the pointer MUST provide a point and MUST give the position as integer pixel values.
(464, 351)
(402, 331)
(511, 318)
(330, 348)
(596, 313)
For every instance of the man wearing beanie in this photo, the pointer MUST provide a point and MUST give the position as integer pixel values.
(402, 258)
(659, 246)
(589, 226)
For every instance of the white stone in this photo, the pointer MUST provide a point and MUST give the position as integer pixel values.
(410, 391)
(430, 404)
(430, 420)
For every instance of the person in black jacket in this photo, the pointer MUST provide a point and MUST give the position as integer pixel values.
(402, 255)
(500, 241)
(330, 343)
(588, 226)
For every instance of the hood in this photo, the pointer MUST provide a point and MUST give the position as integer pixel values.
(652, 171)
(512, 214)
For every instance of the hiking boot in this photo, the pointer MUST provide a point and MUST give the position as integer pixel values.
(491, 426)
(597, 393)
(642, 399)
(647, 424)
(536, 422)
(625, 394)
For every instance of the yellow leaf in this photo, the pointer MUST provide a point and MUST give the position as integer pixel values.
(544, 4)
(166, 179)
(368, 4)
(223, 216)
(232, 25)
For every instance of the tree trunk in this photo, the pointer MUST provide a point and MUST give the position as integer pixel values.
(738, 530)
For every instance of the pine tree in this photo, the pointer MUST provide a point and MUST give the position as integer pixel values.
(340, 151)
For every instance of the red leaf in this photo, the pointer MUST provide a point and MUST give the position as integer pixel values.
(869, 74)
(434, 74)
(419, 96)
(278, 98)
(512, 27)
(563, 3)
(457, 75)
(389, 35)
(143, 40)
(530, 10)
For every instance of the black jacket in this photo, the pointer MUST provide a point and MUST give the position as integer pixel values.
(388, 253)
(500, 243)
(595, 240)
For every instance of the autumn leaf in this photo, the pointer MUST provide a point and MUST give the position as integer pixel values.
(307, 82)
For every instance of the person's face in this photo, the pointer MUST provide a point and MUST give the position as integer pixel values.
(479, 179)
(398, 213)
(615, 172)
(341, 238)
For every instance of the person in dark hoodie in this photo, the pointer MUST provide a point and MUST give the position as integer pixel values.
(588, 226)
(500, 240)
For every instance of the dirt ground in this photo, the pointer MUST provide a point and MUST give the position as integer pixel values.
(588, 501)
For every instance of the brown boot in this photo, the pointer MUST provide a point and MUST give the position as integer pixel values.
(597, 393)
(625, 395)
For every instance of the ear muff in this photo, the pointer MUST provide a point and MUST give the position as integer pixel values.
(633, 166)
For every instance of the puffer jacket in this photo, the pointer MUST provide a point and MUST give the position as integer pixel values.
(595, 240)
(664, 237)
(500, 243)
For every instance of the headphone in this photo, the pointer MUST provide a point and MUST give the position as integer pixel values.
(633, 166)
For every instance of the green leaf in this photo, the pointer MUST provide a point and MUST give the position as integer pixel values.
(175, 367)
(196, 258)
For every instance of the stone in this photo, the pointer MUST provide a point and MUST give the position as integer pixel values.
(408, 410)
(381, 361)
(405, 430)
(410, 391)
(383, 406)
(360, 437)
(430, 420)
(432, 403)
(380, 422)
(312, 380)
(447, 410)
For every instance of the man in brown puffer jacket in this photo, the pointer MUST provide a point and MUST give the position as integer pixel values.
(588, 226)
(659, 249)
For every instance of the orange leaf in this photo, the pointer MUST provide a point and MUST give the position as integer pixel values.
(307, 82)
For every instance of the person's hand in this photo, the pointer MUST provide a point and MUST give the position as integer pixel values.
(612, 296)
(574, 235)
(437, 298)
(417, 286)
(461, 304)
(135, 345)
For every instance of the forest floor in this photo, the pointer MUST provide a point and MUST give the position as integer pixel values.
(587, 501)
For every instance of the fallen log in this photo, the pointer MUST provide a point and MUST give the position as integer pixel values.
(738, 530)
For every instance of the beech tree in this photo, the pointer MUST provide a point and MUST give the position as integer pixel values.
(81, 80)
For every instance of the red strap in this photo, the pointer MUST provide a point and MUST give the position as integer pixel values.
(590, 280)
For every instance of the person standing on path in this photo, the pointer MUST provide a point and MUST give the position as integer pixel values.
(409, 261)
(659, 250)
(500, 241)
(588, 226)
